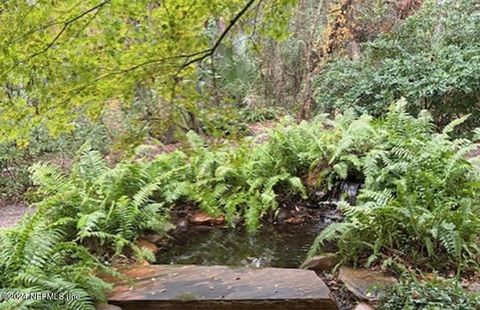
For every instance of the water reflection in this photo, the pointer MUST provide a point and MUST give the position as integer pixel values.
(274, 245)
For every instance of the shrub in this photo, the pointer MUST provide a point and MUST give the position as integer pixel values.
(94, 214)
(432, 60)
(14, 178)
(15, 159)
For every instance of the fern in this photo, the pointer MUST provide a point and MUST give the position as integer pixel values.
(331, 233)
(96, 210)
(420, 198)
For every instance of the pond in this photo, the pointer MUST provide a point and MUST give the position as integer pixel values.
(279, 245)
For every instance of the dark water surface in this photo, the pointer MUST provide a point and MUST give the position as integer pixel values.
(273, 246)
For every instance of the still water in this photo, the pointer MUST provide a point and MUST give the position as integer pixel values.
(273, 246)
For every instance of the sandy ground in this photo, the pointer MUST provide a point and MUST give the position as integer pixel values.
(12, 213)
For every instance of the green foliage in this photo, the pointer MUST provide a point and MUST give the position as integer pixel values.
(122, 71)
(84, 220)
(420, 200)
(14, 178)
(36, 258)
(234, 181)
(412, 294)
(432, 59)
(420, 197)
(66, 59)
(252, 178)
(237, 71)
(232, 123)
(223, 123)
(259, 114)
(94, 214)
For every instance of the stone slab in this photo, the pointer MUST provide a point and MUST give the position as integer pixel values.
(220, 287)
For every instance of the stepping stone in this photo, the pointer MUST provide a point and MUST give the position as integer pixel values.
(365, 284)
(219, 287)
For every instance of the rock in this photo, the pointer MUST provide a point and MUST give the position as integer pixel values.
(201, 218)
(363, 306)
(147, 245)
(182, 225)
(324, 262)
(471, 285)
(258, 262)
(365, 284)
(105, 306)
(295, 220)
(261, 138)
(282, 215)
(153, 238)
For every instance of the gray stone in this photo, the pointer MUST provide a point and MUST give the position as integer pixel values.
(324, 262)
(365, 284)
(282, 215)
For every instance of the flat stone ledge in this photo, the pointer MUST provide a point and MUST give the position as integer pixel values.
(220, 287)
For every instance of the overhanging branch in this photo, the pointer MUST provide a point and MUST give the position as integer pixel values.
(65, 26)
(232, 23)
(188, 58)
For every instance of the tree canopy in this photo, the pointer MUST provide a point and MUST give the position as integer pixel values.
(58, 57)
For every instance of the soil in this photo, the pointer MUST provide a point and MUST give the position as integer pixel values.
(11, 214)
(474, 153)
(342, 297)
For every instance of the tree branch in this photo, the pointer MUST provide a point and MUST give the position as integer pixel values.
(212, 50)
(188, 60)
(64, 28)
(66, 24)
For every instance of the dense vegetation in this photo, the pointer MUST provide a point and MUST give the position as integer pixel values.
(432, 60)
(420, 196)
(94, 215)
(116, 114)
(75, 59)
